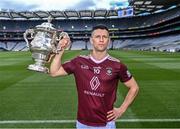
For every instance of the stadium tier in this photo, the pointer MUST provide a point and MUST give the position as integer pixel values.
(147, 32)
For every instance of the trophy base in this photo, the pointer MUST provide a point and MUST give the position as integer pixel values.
(38, 68)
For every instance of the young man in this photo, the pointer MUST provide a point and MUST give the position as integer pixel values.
(96, 76)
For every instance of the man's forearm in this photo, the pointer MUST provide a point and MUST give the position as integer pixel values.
(118, 112)
(129, 97)
(56, 63)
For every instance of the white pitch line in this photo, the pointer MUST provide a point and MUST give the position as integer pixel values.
(35, 121)
(148, 120)
(73, 121)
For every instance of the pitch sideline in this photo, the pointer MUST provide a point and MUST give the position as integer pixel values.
(73, 121)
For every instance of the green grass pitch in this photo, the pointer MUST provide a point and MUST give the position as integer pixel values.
(28, 95)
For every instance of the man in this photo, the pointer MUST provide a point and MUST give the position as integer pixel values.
(96, 77)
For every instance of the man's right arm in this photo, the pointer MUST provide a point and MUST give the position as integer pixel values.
(56, 68)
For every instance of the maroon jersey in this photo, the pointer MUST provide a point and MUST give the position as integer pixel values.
(96, 83)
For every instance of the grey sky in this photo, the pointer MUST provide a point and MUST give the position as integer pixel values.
(31, 5)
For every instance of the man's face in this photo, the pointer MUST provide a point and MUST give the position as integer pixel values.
(100, 39)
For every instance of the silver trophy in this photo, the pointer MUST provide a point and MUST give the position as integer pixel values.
(44, 41)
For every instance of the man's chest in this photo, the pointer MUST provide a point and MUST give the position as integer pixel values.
(96, 74)
(96, 78)
(102, 71)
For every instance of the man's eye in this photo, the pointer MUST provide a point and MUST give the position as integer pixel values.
(97, 36)
(105, 37)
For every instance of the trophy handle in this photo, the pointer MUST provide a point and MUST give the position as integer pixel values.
(29, 31)
(62, 34)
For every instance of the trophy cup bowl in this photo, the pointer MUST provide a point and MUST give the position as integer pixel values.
(44, 42)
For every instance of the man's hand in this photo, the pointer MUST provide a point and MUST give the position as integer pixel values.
(64, 43)
(115, 113)
(50, 57)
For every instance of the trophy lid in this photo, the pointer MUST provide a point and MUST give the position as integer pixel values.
(47, 25)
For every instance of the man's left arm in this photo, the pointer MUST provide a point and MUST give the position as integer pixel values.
(133, 90)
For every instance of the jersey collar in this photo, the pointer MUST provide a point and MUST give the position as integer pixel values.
(98, 61)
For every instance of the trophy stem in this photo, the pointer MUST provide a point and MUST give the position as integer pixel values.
(39, 65)
(39, 62)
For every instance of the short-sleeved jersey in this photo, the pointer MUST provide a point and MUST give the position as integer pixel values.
(96, 83)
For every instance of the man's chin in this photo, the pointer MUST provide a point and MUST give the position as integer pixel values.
(101, 50)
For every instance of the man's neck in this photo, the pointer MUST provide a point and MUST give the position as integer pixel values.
(99, 55)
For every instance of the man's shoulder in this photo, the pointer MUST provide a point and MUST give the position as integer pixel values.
(114, 59)
(84, 56)
(78, 58)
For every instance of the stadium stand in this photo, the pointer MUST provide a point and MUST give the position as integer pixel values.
(78, 45)
(155, 31)
(153, 44)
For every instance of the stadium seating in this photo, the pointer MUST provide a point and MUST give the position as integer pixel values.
(136, 32)
(78, 45)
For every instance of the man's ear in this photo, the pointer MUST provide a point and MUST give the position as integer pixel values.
(91, 40)
(109, 41)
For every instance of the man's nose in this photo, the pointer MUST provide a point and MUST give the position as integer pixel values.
(101, 38)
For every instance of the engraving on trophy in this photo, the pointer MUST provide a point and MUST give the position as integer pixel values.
(44, 41)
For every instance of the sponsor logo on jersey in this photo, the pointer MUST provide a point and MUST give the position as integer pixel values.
(93, 93)
(84, 66)
(94, 83)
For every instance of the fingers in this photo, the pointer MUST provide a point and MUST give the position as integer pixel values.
(66, 36)
(114, 114)
(50, 57)
(64, 42)
(63, 35)
(111, 115)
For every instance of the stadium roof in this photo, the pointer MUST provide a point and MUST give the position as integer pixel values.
(151, 6)
(68, 14)
(140, 7)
